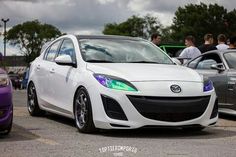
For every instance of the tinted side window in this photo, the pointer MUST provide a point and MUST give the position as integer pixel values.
(194, 63)
(52, 51)
(231, 59)
(67, 48)
(206, 64)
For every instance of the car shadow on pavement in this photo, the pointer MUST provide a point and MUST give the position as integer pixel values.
(18, 133)
(173, 133)
(60, 119)
(227, 117)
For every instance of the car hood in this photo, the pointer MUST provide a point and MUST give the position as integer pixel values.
(145, 72)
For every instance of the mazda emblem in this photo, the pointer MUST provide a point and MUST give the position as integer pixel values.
(175, 88)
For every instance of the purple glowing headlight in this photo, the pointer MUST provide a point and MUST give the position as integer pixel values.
(208, 86)
(102, 80)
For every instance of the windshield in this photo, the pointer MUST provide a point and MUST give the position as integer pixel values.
(231, 59)
(121, 51)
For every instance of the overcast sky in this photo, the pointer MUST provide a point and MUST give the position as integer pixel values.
(89, 16)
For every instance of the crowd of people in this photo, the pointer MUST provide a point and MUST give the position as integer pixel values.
(192, 51)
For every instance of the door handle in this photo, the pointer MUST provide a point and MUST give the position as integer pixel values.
(52, 71)
(231, 85)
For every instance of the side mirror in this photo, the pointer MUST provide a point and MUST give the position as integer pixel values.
(65, 60)
(220, 67)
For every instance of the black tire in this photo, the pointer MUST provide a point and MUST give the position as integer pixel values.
(32, 101)
(83, 112)
(194, 129)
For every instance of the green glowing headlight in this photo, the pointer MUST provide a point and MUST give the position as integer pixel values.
(114, 82)
(120, 86)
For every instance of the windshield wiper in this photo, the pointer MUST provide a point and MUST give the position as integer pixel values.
(143, 62)
(98, 61)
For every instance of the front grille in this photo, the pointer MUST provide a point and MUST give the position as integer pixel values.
(170, 109)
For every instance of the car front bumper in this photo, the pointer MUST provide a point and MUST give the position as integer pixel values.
(142, 116)
(6, 107)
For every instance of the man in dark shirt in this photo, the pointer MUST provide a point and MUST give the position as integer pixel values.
(232, 42)
(208, 44)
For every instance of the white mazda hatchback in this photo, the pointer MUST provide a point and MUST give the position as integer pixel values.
(114, 82)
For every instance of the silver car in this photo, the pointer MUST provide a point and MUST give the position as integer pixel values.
(220, 67)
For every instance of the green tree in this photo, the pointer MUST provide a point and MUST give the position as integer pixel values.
(230, 23)
(134, 26)
(31, 36)
(166, 33)
(197, 20)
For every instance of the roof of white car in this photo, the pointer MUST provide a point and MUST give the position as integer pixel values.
(107, 37)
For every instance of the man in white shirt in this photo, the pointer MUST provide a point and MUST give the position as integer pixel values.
(221, 42)
(190, 51)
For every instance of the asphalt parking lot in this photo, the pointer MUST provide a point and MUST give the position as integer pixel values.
(56, 136)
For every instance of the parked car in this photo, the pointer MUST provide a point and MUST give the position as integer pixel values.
(15, 79)
(114, 82)
(6, 106)
(220, 67)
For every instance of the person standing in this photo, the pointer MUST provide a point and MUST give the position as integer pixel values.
(191, 51)
(208, 44)
(1, 56)
(221, 42)
(156, 39)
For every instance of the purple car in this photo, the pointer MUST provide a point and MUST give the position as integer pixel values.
(6, 106)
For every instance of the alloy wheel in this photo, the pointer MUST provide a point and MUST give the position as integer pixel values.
(81, 111)
(31, 98)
